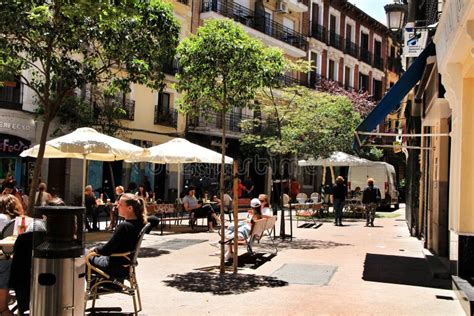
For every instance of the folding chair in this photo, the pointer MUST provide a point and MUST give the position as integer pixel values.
(101, 283)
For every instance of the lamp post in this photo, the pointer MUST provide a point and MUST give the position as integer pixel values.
(396, 13)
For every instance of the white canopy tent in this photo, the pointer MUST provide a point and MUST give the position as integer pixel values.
(179, 151)
(87, 144)
(337, 159)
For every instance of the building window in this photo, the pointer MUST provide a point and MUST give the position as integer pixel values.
(163, 113)
(313, 75)
(332, 70)
(347, 78)
(363, 82)
(11, 95)
(377, 89)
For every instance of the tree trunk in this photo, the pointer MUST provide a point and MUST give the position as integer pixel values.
(38, 164)
(235, 210)
(222, 188)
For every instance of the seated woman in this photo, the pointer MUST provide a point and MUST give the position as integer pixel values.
(266, 210)
(10, 207)
(198, 210)
(244, 227)
(125, 237)
(114, 209)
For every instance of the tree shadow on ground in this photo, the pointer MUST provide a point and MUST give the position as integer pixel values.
(147, 252)
(401, 270)
(221, 284)
(307, 244)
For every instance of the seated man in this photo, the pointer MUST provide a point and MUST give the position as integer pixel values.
(198, 210)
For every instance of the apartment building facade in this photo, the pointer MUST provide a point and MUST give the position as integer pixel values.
(347, 46)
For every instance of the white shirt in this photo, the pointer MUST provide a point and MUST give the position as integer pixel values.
(266, 211)
(4, 220)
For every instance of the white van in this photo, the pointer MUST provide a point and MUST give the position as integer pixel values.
(384, 178)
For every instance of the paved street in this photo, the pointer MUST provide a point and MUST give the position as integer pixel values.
(330, 270)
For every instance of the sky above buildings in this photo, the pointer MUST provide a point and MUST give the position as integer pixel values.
(374, 8)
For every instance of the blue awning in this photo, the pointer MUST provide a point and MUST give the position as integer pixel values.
(391, 100)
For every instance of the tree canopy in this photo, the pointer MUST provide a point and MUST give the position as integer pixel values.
(57, 47)
(221, 67)
(311, 123)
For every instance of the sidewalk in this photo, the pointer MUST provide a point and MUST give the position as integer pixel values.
(349, 270)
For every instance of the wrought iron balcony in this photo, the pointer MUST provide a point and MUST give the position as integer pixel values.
(212, 120)
(290, 81)
(319, 32)
(365, 56)
(127, 105)
(249, 18)
(11, 95)
(378, 62)
(171, 68)
(394, 64)
(167, 118)
(335, 40)
(351, 48)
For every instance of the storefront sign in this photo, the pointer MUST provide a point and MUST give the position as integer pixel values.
(17, 126)
(12, 146)
(414, 40)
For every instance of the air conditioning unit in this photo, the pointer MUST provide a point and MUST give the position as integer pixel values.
(282, 7)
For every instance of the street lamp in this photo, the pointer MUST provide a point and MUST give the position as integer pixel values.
(396, 15)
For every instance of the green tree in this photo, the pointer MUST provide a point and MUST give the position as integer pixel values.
(58, 47)
(221, 68)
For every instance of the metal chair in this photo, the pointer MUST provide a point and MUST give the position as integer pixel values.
(101, 283)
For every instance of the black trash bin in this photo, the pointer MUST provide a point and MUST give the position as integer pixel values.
(58, 283)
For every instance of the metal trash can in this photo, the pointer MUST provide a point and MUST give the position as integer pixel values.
(58, 283)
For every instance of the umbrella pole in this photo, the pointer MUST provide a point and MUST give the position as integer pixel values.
(84, 168)
(179, 181)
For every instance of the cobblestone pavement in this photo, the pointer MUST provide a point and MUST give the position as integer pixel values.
(331, 270)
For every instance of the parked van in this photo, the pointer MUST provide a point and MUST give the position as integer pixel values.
(384, 178)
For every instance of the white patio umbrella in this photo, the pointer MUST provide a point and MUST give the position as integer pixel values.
(179, 151)
(337, 159)
(87, 144)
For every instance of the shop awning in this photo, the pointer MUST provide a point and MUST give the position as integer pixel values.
(391, 100)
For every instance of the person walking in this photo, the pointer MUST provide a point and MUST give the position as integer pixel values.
(339, 193)
(371, 198)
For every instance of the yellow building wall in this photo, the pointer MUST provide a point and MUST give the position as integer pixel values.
(143, 127)
(466, 217)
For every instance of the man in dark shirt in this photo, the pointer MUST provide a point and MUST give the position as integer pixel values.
(371, 199)
(339, 192)
(91, 208)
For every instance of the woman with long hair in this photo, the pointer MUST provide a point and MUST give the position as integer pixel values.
(266, 210)
(142, 192)
(125, 237)
(10, 207)
(42, 196)
(119, 190)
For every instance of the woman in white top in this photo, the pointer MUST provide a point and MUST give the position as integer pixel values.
(265, 208)
(10, 207)
(142, 192)
(42, 197)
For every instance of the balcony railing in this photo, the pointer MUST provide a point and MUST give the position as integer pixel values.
(394, 64)
(213, 120)
(319, 32)
(290, 81)
(127, 105)
(11, 96)
(335, 40)
(365, 56)
(171, 68)
(378, 62)
(167, 118)
(249, 18)
(351, 48)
